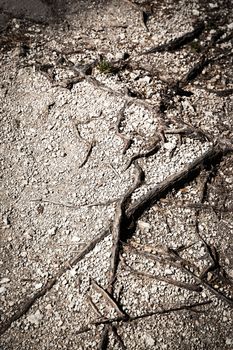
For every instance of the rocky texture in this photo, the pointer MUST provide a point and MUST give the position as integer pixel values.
(79, 103)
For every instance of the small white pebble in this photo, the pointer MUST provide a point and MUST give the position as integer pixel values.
(52, 231)
(196, 12)
(38, 285)
(2, 290)
(212, 6)
(35, 318)
(4, 280)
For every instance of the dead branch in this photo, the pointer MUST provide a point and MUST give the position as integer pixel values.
(127, 141)
(25, 306)
(71, 206)
(196, 70)
(161, 255)
(118, 338)
(221, 93)
(178, 42)
(133, 212)
(55, 203)
(144, 315)
(89, 144)
(98, 204)
(93, 306)
(188, 286)
(210, 250)
(117, 228)
(89, 150)
(173, 181)
(214, 291)
(172, 257)
(108, 298)
(123, 95)
(143, 14)
(188, 131)
(28, 302)
(113, 328)
(103, 345)
(151, 151)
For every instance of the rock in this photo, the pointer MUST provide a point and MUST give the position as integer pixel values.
(28, 234)
(52, 231)
(73, 272)
(48, 307)
(6, 220)
(196, 12)
(143, 225)
(4, 280)
(145, 79)
(119, 56)
(38, 285)
(169, 146)
(149, 340)
(2, 290)
(35, 318)
(229, 341)
(213, 6)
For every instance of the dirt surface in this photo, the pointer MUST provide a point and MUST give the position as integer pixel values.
(116, 175)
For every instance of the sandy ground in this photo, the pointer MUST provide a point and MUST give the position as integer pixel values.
(75, 91)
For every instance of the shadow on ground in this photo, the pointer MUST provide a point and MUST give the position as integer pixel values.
(44, 11)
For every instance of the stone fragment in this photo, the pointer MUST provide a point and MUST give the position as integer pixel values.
(4, 280)
(35, 318)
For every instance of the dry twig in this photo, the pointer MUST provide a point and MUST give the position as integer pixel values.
(144, 315)
(173, 181)
(178, 42)
(127, 141)
(27, 303)
(172, 257)
(118, 229)
(103, 345)
(108, 298)
(133, 212)
(189, 286)
(151, 151)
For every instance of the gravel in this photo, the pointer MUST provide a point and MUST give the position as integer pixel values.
(51, 207)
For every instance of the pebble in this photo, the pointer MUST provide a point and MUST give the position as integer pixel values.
(119, 56)
(169, 146)
(196, 12)
(73, 272)
(48, 307)
(83, 101)
(2, 290)
(38, 285)
(213, 5)
(149, 340)
(143, 225)
(145, 79)
(4, 280)
(52, 231)
(35, 318)
(229, 341)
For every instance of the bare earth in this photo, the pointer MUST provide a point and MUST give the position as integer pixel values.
(94, 94)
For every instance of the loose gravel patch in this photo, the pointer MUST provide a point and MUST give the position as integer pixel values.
(82, 109)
